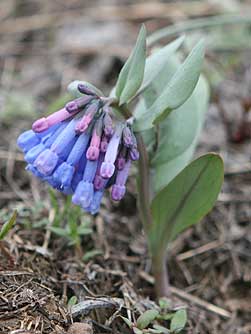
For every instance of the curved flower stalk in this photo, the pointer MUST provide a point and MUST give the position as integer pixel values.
(81, 150)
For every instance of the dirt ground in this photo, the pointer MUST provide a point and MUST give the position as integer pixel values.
(45, 45)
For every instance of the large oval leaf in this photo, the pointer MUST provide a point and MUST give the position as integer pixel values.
(176, 148)
(178, 133)
(185, 200)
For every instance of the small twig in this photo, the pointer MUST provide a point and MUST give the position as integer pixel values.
(48, 231)
(14, 273)
(229, 198)
(5, 155)
(238, 172)
(199, 250)
(6, 253)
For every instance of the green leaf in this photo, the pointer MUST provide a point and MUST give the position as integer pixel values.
(165, 173)
(8, 225)
(182, 126)
(73, 88)
(176, 141)
(178, 136)
(178, 90)
(60, 231)
(153, 91)
(91, 254)
(164, 303)
(166, 316)
(127, 321)
(178, 321)
(153, 331)
(185, 200)
(158, 60)
(72, 301)
(162, 329)
(137, 331)
(132, 73)
(82, 230)
(146, 318)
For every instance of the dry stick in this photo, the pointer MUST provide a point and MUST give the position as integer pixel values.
(48, 231)
(191, 299)
(15, 273)
(200, 302)
(199, 250)
(6, 252)
(5, 155)
(229, 198)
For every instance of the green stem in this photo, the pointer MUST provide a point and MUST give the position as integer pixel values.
(160, 273)
(194, 24)
(144, 190)
(144, 184)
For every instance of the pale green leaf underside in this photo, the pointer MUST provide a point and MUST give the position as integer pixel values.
(146, 318)
(156, 62)
(186, 199)
(178, 90)
(178, 133)
(132, 73)
(178, 321)
(176, 151)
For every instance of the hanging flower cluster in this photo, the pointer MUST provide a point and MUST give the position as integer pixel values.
(81, 150)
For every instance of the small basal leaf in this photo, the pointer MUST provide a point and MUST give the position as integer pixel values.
(83, 230)
(59, 231)
(165, 303)
(178, 90)
(137, 330)
(178, 321)
(72, 301)
(166, 316)
(127, 321)
(162, 329)
(8, 226)
(132, 73)
(91, 254)
(185, 200)
(146, 318)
